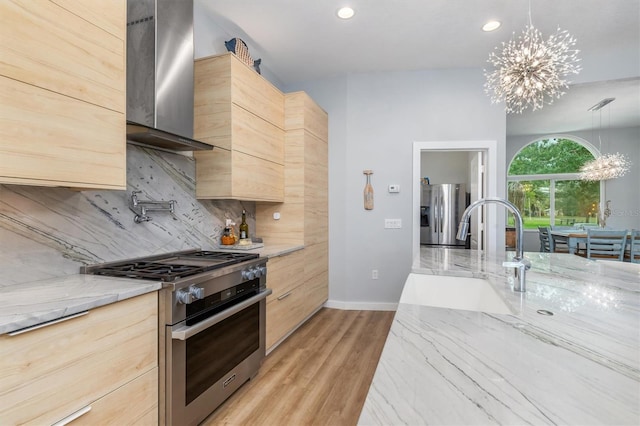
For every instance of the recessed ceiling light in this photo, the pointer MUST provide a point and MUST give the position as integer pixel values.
(345, 13)
(491, 26)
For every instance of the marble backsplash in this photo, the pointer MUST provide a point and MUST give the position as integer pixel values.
(50, 232)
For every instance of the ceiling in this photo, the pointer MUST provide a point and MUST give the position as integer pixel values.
(301, 40)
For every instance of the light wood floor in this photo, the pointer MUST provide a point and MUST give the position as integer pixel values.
(320, 375)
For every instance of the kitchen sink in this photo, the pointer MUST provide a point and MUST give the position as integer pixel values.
(444, 291)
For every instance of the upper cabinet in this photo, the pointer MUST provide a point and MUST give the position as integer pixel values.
(242, 115)
(62, 93)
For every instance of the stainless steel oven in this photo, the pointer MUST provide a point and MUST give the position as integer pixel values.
(213, 311)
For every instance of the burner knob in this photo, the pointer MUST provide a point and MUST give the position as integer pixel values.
(248, 274)
(184, 297)
(196, 292)
(263, 270)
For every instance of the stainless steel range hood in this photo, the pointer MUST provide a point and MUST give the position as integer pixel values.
(160, 75)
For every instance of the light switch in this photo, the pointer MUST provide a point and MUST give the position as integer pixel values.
(393, 223)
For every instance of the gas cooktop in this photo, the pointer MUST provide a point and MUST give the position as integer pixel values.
(169, 266)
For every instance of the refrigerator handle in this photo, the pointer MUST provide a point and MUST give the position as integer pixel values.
(436, 216)
(441, 212)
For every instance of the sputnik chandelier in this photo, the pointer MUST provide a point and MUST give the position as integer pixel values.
(530, 71)
(605, 166)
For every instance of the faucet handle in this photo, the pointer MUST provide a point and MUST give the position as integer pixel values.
(518, 263)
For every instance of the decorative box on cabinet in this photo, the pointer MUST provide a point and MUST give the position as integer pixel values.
(62, 93)
(89, 364)
(242, 115)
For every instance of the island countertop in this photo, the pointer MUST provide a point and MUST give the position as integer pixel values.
(579, 366)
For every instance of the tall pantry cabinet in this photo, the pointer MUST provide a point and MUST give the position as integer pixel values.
(303, 217)
(62, 93)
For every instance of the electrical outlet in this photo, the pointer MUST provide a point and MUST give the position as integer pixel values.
(374, 274)
(393, 223)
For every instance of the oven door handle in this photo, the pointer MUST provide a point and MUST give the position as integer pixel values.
(184, 332)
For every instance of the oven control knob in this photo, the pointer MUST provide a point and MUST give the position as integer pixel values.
(248, 274)
(196, 292)
(263, 270)
(184, 297)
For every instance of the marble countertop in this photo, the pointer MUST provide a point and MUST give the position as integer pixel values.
(27, 304)
(579, 366)
(269, 250)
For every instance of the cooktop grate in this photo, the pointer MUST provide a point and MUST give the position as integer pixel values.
(171, 266)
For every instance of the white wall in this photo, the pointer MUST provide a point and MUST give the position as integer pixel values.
(210, 31)
(445, 167)
(623, 192)
(374, 118)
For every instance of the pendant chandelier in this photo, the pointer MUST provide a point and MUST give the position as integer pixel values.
(605, 166)
(530, 71)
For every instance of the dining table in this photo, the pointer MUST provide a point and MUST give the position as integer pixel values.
(574, 237)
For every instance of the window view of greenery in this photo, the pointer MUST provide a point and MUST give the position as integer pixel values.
(562, 200)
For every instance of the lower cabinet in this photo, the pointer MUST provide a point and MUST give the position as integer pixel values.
(285, 305)
(296, 294)
(135, 403)
(101, 367)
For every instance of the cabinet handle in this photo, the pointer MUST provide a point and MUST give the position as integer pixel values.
(284, 296)
(48, 323)
(71, 417)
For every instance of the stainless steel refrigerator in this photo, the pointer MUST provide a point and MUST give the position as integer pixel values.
(441, 208)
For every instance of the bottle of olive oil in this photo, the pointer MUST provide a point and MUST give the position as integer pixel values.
(244, 228)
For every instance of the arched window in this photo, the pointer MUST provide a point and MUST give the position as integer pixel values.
(543, 183)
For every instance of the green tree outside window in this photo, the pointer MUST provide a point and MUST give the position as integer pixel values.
(574, 200)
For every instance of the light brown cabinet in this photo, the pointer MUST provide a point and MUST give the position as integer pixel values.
(62, 93)
(103, 364)
(304, 212)
(286, 305)
(242, 115)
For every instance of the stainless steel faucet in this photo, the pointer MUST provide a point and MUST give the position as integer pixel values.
(141, 207)
(520, 264)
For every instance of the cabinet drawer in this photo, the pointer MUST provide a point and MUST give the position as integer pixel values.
(284, 314)
(135, 403)
(301, 112)
(46, 45)
(110, 15)
(240, 130)
(51, 137)
(284, 273)
(316, 259)
(64, 367)
(254, 93)
(224, 79)
(223, 174)
(254, 136)
(316, 291)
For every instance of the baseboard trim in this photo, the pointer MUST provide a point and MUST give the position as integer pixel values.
(361, 306)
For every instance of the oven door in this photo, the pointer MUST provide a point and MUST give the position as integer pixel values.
(208, 361)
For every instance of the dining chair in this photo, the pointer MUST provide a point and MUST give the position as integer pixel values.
(546, 242)
(604, 244)
(634, 247)
(560, 243)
